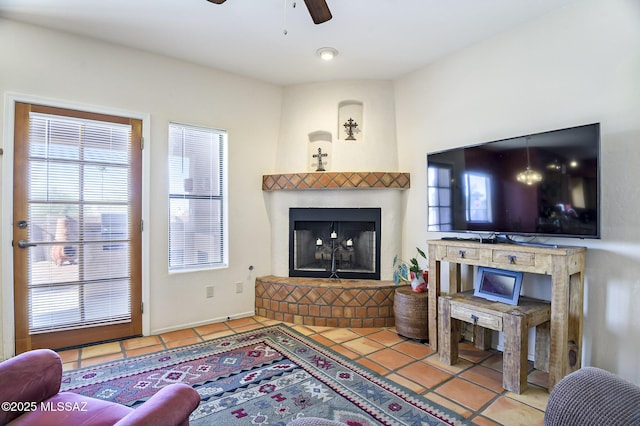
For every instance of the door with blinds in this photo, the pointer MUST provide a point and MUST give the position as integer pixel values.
(77, 227)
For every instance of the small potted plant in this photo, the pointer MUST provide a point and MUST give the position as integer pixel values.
(410, 271)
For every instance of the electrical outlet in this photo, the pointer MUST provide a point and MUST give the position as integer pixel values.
(209, 290)
(239, 287)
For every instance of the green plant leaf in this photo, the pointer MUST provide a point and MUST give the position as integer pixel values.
(403, 272)
(415, 267)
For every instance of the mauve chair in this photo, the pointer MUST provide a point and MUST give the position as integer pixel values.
(34, 377)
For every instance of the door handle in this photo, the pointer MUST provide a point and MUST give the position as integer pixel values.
(25, 244)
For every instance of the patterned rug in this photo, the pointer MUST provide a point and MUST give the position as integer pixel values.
(268, 376)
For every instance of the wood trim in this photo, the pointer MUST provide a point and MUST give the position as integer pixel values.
(45, 109)
(135, 230)
(83, 336)
(20, 257)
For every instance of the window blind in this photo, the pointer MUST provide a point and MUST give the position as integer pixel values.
(197, 198)
(80, 221)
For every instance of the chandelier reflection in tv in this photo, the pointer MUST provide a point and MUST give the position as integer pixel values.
(529, 176)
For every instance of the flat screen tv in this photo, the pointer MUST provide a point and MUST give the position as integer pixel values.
(543, 184)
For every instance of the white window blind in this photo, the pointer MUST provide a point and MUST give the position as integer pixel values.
(197, 197)
(79, 219)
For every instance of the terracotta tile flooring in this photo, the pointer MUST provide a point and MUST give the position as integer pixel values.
(471, 388)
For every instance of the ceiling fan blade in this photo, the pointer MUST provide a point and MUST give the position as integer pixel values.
(217, 1)
(318, 10)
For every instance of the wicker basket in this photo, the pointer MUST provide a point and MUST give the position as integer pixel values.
(411, 309)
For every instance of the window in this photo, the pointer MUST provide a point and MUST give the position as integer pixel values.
(477, 192)
(197, 198)
(439, 193)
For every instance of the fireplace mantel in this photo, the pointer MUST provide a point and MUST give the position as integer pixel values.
(335, 180)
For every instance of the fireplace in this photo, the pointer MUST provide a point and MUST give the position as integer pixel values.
(335, 243)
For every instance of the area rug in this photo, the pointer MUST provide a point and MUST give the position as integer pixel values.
(267, 376)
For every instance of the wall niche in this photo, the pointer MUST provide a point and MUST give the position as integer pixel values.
(350, 121)
(319, 152)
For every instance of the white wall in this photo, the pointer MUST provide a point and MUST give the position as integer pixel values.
(577, 66)
(311, 107)
(307, 108)
(57, 66)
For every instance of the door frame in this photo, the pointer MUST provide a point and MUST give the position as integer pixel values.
(7, 332)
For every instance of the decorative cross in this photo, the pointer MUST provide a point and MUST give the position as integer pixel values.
(319, 156)
(350, 126)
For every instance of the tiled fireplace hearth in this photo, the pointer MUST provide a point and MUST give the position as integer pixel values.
(326, 303)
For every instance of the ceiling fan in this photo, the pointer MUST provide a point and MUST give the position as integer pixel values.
(318, 9)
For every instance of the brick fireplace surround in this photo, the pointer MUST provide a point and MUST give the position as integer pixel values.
(319, 301)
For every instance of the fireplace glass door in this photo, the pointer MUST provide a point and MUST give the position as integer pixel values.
(334, 243)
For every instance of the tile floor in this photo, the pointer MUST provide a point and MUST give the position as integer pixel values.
(471, 388)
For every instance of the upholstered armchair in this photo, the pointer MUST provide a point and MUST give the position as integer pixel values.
(593, 397)
(31, 381)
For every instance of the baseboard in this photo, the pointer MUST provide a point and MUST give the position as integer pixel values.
(201, 323)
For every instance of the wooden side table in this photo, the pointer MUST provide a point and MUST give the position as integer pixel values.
(411, 313)
(565, 266)
(513, 321)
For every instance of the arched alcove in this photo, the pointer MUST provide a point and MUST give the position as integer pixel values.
(350, 121)
(319, 151)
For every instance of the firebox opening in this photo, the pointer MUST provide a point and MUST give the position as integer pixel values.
(334, 242)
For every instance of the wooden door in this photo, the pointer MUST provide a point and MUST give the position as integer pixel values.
(77, 227)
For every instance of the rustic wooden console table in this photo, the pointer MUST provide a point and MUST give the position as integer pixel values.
(565, 265)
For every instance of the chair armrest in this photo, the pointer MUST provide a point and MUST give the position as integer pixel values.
(592, 396)
(170, 406)
(30, 377)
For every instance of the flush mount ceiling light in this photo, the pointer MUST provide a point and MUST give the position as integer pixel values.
(327, 53)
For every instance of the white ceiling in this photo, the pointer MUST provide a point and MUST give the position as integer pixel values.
(377, 39)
